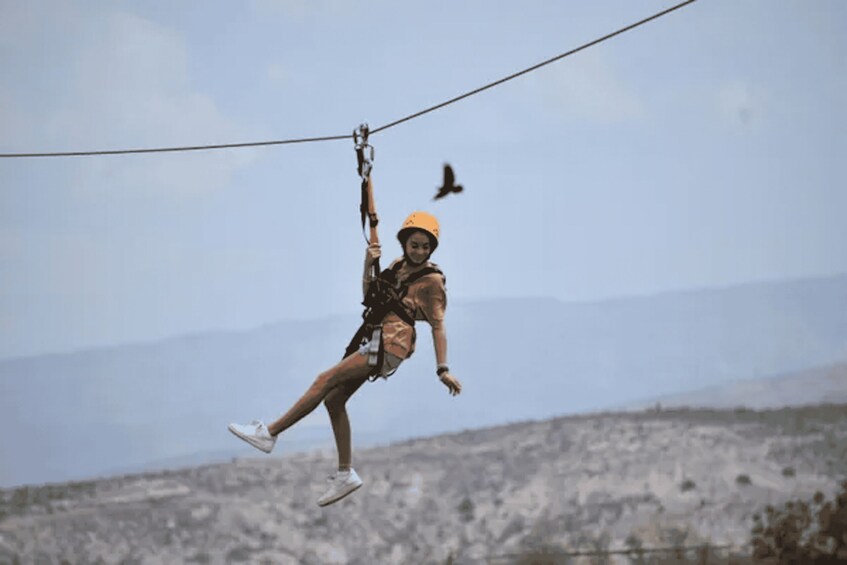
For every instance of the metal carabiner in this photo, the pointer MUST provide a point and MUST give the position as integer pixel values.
(361, 132)
(364, 157)
(366, 164)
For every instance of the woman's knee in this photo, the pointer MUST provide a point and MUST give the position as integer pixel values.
(326, 379)
(335, 401)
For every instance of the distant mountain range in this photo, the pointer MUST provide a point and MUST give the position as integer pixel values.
(96, 412)
(803, 388)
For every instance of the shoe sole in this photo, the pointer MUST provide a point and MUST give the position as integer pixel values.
(339, 497)
(249, 440)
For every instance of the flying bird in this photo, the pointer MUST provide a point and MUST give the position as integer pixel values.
(449, 183)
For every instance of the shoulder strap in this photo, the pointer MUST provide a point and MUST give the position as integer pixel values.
(404, 287)
(394, 269)
(420, 274)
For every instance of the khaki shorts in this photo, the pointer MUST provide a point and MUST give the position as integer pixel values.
(389, 363)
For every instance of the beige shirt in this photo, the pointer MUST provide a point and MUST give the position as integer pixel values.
(426, 300)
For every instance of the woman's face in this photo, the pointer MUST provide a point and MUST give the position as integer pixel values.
(417, 247)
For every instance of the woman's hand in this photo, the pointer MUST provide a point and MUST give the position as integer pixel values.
(372, 254)
(451, 382)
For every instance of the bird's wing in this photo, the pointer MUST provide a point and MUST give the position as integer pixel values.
(448, 175)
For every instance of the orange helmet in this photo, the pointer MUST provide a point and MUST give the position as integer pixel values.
(419, 221)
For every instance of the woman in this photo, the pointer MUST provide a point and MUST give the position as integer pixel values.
(424, 298)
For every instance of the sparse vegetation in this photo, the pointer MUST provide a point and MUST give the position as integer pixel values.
(636, 547)
(809, 532)
(466, 510)
(687, 485)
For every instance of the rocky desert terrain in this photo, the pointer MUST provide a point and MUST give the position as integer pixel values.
(680, 477)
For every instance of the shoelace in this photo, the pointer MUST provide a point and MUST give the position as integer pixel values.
(334, 476)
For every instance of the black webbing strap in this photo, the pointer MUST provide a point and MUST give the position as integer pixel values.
(374, 316)
(363, 206)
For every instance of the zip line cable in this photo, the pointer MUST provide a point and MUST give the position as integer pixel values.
(172, 149)
(534, 67)
(348, 136)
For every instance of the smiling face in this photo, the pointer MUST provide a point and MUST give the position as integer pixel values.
(417, 247)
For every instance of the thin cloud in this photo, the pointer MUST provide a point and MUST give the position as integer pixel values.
(588, 87)
(296, 8)
(127, 84)
(739, 104)
(276, 73)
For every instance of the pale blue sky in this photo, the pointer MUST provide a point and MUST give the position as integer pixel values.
(704, 149)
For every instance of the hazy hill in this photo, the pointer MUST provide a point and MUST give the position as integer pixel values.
(799, 388)
(95, 412)
(681, 477)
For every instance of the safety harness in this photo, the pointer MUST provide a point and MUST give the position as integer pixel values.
(384, 295)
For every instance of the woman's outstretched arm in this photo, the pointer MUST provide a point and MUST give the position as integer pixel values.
(439, 342)
(434, 304)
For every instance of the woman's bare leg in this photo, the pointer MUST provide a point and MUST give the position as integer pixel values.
(335, 403)
(351, 368)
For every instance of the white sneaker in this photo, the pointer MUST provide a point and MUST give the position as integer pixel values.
(255, 433)
(342, 484)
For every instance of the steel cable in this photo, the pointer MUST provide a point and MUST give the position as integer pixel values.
(349, 136)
